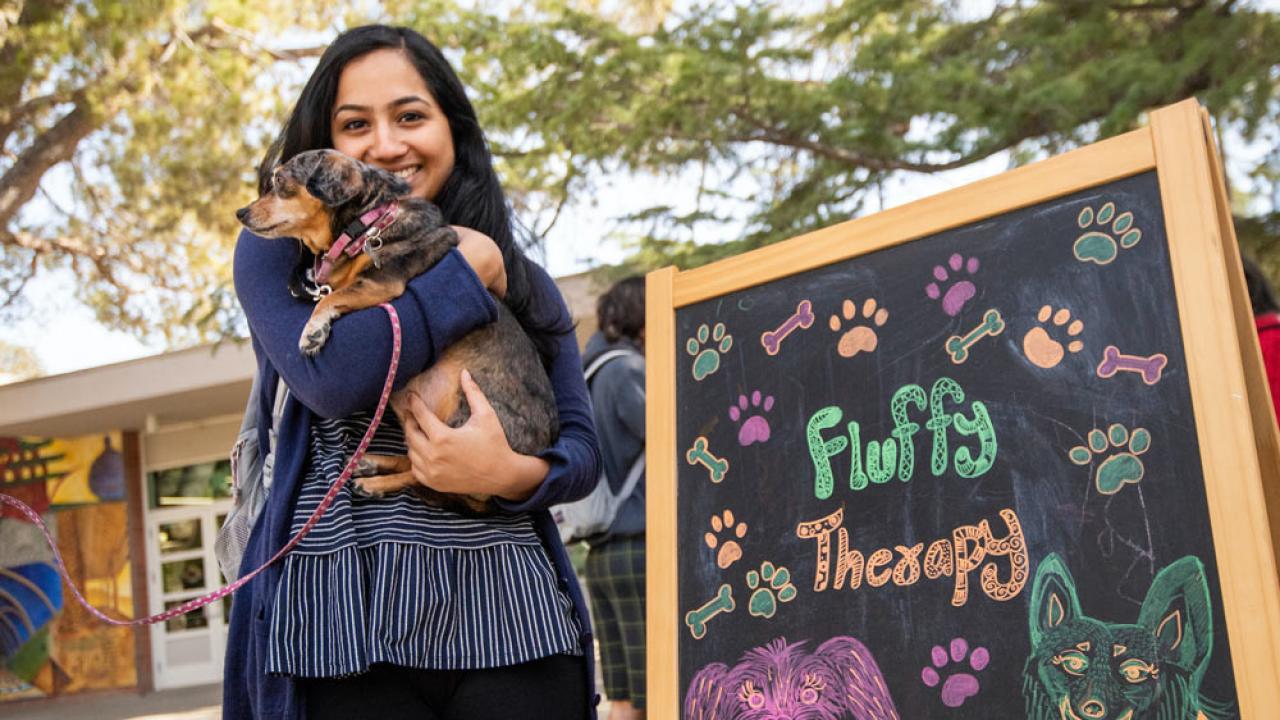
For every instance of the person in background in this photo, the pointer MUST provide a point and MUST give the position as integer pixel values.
(1266, 315)
(615, 562)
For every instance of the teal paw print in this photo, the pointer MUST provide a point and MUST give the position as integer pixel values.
(1101, 246)
(707, 357)
(1122, 468)
(777, 588)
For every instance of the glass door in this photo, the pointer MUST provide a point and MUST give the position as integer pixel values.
(182, 524)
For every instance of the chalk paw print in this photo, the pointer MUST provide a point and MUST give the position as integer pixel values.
(1041, 348)
(706, 347)
(1106, 233)
(860, 337)
(961, 685)
(729, 551)
(755, 428)
(772, 585)
(961, 290)
(1120, 469)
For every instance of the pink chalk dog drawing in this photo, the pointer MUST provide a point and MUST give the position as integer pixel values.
(803, 318)
(838, 681)
(1150, 368)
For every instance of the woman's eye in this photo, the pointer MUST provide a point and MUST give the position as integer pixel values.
(1072, 662)
(351, 125)
(412, 117)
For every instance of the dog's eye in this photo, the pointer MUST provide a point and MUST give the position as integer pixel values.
(1072, 662)
(1136, 671)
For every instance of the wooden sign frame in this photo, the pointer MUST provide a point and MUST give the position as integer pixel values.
(1239, 442)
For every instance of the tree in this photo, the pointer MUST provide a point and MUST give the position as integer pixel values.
(129, 131)
(791, 121)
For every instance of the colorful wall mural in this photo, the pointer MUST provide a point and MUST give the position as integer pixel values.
(49, 645)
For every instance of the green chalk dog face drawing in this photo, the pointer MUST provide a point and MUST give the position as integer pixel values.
(1082, 668)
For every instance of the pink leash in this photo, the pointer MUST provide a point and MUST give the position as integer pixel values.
(311, 521)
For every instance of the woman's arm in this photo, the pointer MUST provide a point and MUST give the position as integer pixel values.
(346, 376)
(476, 458)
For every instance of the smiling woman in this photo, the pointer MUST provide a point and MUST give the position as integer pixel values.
(390, 606)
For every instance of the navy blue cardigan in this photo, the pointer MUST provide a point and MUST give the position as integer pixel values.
(438, 307)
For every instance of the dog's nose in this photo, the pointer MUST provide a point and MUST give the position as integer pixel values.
(242, 213)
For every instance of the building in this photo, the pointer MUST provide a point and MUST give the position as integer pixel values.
(127, 464)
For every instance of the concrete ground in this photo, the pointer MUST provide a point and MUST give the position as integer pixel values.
(203, 702)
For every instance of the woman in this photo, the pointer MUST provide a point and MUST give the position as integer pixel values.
(390, 608)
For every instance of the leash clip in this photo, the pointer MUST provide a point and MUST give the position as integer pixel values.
(317, 292)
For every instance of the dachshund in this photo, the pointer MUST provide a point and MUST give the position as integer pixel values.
(367, 239)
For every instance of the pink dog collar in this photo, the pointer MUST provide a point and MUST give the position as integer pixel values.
(355, 238)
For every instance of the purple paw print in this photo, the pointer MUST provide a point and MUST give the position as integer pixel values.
(755, 428)
(959, 686)
(961, 292)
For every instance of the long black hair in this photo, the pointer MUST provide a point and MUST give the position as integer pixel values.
(620, 310)
(471, 197)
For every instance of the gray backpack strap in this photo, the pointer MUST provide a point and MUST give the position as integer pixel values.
(277, 412)
(633, 478)
(637, 468)
(603, 358)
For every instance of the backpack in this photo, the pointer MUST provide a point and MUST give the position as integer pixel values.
(594, 513)
(250, 481)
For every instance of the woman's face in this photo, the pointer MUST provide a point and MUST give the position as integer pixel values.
(385, 115)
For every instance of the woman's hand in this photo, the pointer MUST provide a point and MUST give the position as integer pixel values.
(484, 257)
(473, 459)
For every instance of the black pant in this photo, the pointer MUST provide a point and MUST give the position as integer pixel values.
(552, 688)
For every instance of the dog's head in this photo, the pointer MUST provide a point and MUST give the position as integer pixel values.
(1082, 668)
(316, 194)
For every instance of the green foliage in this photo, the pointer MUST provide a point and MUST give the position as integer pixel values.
(130, 130)
(142, 119)
(795, 119)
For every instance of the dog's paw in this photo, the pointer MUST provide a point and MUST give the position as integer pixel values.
(314, 336)
(365, 468)
(363, 487)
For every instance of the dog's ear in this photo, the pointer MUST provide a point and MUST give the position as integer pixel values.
(1176, 610)
(1053, 597)
(385, 181)
(334, 179)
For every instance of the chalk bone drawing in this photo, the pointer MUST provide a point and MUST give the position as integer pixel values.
(802, 318)
(697, 619)
(1150, 367)
(958, 346)
(700, 455)
(840, 680)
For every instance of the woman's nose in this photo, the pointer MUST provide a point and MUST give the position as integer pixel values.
(387, 144)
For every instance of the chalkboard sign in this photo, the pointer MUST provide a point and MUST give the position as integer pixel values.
(989, 455)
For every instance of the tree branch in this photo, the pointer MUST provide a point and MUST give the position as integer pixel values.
(55, 145)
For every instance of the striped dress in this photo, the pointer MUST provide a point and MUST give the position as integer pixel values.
(396, 581)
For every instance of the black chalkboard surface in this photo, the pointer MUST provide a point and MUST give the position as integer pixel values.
(958, 477)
